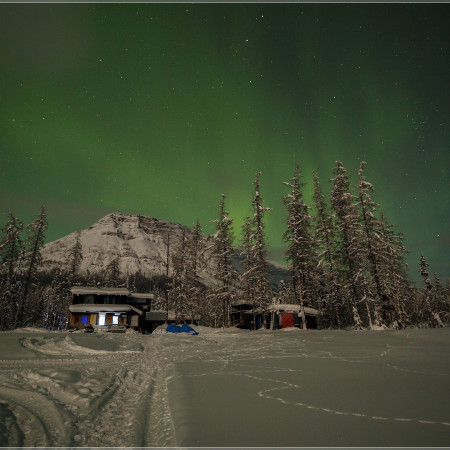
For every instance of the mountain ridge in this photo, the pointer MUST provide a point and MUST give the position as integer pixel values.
(140, 245)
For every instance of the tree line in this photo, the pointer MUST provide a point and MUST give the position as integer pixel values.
(344, 257)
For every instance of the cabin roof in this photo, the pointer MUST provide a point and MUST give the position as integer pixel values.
(88, 290)
(141, 295)
(93, 308)
(91, 290)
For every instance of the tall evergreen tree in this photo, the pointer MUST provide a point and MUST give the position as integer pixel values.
(113, 273)
(393, 270)
(179, 285)
(194, 262)
(262, 286)
(430, 313)
(441, 299)
(10, 245)
(300, 253)
(349, 239)
(223, 252)
(248, 277)
(380, 300)
(324, 234)
(33, 244)
(10, 248)
(75, 257)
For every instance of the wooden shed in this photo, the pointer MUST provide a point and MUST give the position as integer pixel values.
(284, 315)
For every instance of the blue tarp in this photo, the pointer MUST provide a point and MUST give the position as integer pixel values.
(181, 329)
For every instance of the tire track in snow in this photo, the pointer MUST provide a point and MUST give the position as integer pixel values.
(33, 410)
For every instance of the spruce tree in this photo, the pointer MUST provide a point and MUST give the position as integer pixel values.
(194, 262)
(379, 298)
(33, 244)
(324, 234)
(262, 287)
(75, 257)
(393, 271)
(10, 248)
(349, 240)
(301, 247)
(440, 298)
(283, 293)
(223, 252)
(113, 273)
(248, 276)
(179, 285)
(430, 314)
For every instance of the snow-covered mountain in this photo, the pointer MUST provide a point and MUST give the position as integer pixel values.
(139, 243)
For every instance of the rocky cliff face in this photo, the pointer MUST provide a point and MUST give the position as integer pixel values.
(139, 243)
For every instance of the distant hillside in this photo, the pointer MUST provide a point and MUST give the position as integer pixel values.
(139, 243)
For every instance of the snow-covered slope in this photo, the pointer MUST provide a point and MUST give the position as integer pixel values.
(139, 243)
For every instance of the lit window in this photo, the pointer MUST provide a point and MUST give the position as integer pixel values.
(101, 318)
(115, 320)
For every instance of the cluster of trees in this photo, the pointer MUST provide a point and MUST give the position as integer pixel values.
(29, 297)
(345, 259)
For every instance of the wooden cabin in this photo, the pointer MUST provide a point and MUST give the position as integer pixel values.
(108, 309)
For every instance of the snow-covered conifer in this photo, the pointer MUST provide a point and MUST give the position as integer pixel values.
(75, 257)
(393, 270)
(300, 253)
(10, 245)
(10, 248)
(179, 286)
(379, 298)
(33, 244)
(223, 252)
(430, 313)
(425, 274)
(262, 286)
(194, 262)
(248, 275)
(349, 243)
(324, 234)
(113, 273)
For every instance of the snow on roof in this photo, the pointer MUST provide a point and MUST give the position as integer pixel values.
(93, 308)
(240, 302)
(88, 290)
(286, 307)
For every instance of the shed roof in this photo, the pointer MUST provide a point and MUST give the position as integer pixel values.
(288, 307)
(241, 302)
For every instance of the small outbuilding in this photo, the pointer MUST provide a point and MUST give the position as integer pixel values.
(284, 315)
(277, 316)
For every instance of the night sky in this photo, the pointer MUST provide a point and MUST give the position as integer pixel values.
(156, 109)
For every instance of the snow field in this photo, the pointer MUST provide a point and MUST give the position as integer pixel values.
(225, 388)
(324, 388)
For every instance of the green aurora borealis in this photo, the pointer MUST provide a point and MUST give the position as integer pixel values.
(156, 109)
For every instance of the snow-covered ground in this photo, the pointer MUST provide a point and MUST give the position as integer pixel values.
(225, 388)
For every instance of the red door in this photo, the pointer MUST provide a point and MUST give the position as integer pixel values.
(287, 320)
